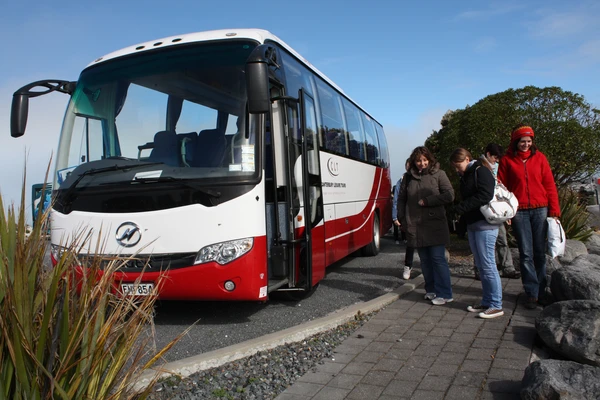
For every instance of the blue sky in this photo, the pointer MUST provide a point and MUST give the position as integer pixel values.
(406, 63)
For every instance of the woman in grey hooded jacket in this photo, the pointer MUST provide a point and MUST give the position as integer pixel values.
(422, 214)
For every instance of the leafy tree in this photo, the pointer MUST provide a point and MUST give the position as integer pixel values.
(567, 129)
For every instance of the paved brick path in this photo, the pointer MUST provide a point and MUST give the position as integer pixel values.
(414, 350)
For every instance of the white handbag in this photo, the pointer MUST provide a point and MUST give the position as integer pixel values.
(502, 207)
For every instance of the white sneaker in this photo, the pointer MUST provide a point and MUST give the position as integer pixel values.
(440, 301)
(429, 296)
(477, 308)
(406, 274)
(491, 313)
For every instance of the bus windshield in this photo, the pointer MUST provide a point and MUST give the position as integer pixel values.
(180, 109)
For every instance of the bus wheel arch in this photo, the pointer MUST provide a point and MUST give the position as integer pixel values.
(372, 249)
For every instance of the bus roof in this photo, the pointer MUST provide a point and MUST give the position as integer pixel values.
(260, 35)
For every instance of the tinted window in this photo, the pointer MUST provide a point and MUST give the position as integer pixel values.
(384, 157)
(371, 141)
(356, 135)
(332, 123)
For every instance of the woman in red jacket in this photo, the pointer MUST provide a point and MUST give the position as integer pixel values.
(525, 171)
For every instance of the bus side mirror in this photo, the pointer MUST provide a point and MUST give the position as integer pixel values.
(18, 114)
(257, 87)
(20, 102)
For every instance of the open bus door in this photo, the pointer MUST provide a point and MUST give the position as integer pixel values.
(297, 255)
(294, 206)
(308, 183)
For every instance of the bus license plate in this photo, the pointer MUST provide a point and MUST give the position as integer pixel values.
(140, 289)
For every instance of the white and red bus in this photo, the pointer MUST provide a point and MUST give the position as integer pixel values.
(222, 159)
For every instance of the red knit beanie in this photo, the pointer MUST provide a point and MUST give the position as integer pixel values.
(523, 131)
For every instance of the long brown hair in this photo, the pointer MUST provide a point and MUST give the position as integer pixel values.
(421, 151)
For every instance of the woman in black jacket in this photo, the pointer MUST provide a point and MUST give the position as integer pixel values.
(477, 188)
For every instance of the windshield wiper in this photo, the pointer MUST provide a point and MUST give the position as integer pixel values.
(94, 171)
(212, 193)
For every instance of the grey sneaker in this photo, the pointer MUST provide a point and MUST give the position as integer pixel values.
(491, 313)
(476, 308)
(510, 273)
(429, 296)
(440, 301)
(406, 273)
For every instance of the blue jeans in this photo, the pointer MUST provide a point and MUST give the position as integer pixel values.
(483, 245)
(435, 271)
(530, 229)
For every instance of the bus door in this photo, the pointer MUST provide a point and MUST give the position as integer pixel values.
(296, 232)
(306, 181)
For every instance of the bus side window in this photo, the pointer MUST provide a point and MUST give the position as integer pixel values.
(371, 140)
(355, 131)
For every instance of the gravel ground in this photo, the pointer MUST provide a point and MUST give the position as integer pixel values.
(268, 373)
(261, 376)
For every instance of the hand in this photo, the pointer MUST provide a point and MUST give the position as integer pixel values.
(396, 222)
(421, 202)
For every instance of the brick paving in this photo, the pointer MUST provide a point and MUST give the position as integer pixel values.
(414, 350)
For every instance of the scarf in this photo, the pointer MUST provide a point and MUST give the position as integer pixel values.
(524, 155)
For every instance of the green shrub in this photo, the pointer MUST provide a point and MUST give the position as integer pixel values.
(58, 342)
(574, 216)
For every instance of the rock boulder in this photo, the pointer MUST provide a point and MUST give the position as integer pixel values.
(572, 329)
(554, 379)
(593, 244)
(573, 249)
(579, 280)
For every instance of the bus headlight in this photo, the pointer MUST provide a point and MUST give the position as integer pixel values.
(57, 251)
(224, 252)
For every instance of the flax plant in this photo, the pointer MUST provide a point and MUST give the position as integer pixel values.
(67, 335)
(574, 216)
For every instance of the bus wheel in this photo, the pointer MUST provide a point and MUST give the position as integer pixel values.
(372, 249)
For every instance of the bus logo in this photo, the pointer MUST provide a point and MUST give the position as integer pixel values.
(333, 167)
(128, 234)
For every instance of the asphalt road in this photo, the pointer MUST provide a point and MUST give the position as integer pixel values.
(221, 324)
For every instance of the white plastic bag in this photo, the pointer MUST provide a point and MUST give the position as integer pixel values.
(556, 238)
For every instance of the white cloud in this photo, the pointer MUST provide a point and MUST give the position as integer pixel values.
(554, 24)
(493, 10)
(485, 44)
(583, 56)
(403, 139)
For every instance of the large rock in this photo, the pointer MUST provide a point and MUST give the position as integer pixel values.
(517, 259)
(552, 264)
(572, 329)
(573, 249)
(554, 379)
(593, 244)
(579, 280)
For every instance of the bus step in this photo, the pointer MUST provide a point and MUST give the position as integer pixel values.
(276, 284)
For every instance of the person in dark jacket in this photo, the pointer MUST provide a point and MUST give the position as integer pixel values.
(525, 171)
(410, 251)
(422, 215)
(477, 184)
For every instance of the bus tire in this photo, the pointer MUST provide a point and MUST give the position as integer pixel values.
(372, 249)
